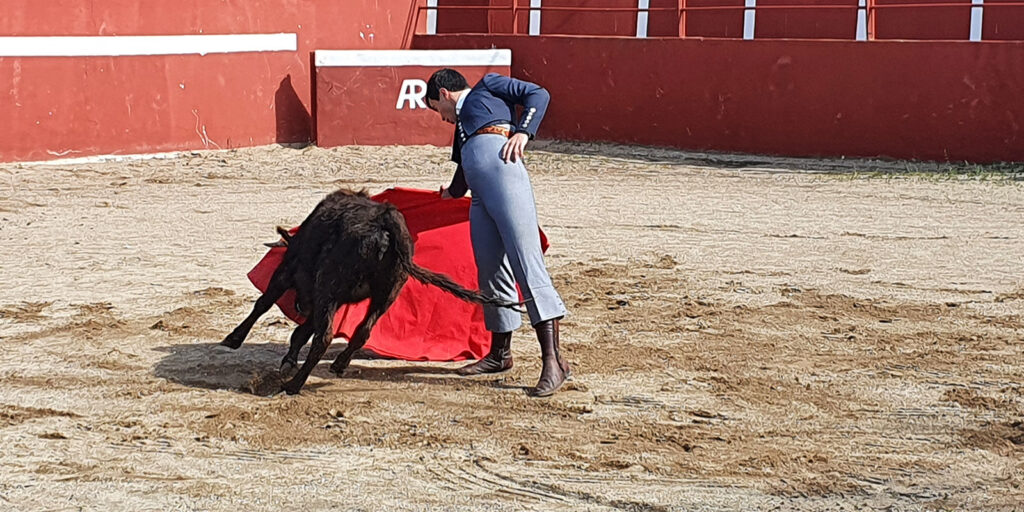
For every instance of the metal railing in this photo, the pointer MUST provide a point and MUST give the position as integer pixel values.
(865, 10)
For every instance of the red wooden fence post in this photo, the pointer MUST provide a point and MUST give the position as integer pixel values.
(515, 16)
(682, 19)
(871, 19)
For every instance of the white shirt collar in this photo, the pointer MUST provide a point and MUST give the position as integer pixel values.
(458, 104)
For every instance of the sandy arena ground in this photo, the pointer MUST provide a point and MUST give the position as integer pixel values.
(746, 333)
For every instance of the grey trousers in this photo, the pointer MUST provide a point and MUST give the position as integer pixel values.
(505, 237)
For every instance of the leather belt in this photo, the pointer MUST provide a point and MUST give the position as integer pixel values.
(495, 129)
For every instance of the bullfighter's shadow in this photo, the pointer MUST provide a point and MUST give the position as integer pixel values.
(253, 368)
(423, 372)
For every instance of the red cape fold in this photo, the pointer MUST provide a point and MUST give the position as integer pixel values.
(425, 323)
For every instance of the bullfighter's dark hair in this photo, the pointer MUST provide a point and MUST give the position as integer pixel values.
(446, 78)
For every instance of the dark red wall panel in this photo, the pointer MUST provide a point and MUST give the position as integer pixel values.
(1002, 23)
(460, 18)
(608, 23)
(724, 23)
(927, 100)
(952, 23)
(805, 23)
(663, 23)
(500, 17)
(714, 23)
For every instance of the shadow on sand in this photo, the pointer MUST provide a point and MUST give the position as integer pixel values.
(253, 368)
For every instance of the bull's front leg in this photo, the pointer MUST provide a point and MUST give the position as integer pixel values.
(238, 335)
(279, 284)
(323, 333)
(359, 337)
(378, 305)
(290, 363)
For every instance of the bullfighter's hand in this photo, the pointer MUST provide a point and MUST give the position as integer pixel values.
(513, 149)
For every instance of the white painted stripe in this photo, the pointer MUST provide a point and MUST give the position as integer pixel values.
(109, 158)
(976, 19)
(862, 20)
(748, 19)
(534, 17)
(431, 17)
(641, 17)
(115, 46)
(388, 58)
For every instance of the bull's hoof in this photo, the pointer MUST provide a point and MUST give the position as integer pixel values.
(291, 387)
(338, 369)
(288, 369)
(232, 341)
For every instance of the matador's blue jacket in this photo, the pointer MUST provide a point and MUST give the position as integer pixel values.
(492, 101)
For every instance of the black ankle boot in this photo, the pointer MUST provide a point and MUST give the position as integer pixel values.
(555, 369)
(498, 360)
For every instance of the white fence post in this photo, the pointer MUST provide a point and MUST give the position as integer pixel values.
(641, 17)
(534, 17)
(976, 19)
(862, 20)
(431, 17)
(748, 18)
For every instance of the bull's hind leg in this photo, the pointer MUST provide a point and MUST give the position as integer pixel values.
(280, 282)
(323, 333)
(290, 363)
(379, 304)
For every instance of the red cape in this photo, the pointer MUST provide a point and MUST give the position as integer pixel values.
(425, 323)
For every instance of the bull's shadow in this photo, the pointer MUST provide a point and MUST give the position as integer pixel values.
(253, 368)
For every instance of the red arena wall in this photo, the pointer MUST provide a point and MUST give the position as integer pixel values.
(63, 106)
(937, 101)
(159, 76)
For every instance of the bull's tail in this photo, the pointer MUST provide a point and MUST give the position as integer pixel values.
(445, 283)
(401, 243)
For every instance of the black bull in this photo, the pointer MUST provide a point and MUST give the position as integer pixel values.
(350, 248)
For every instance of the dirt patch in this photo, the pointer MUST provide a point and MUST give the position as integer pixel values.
(13, 415)
(186, 321)
(24, 312)
(971, 398)
(1014, 295)
(1002, 438)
